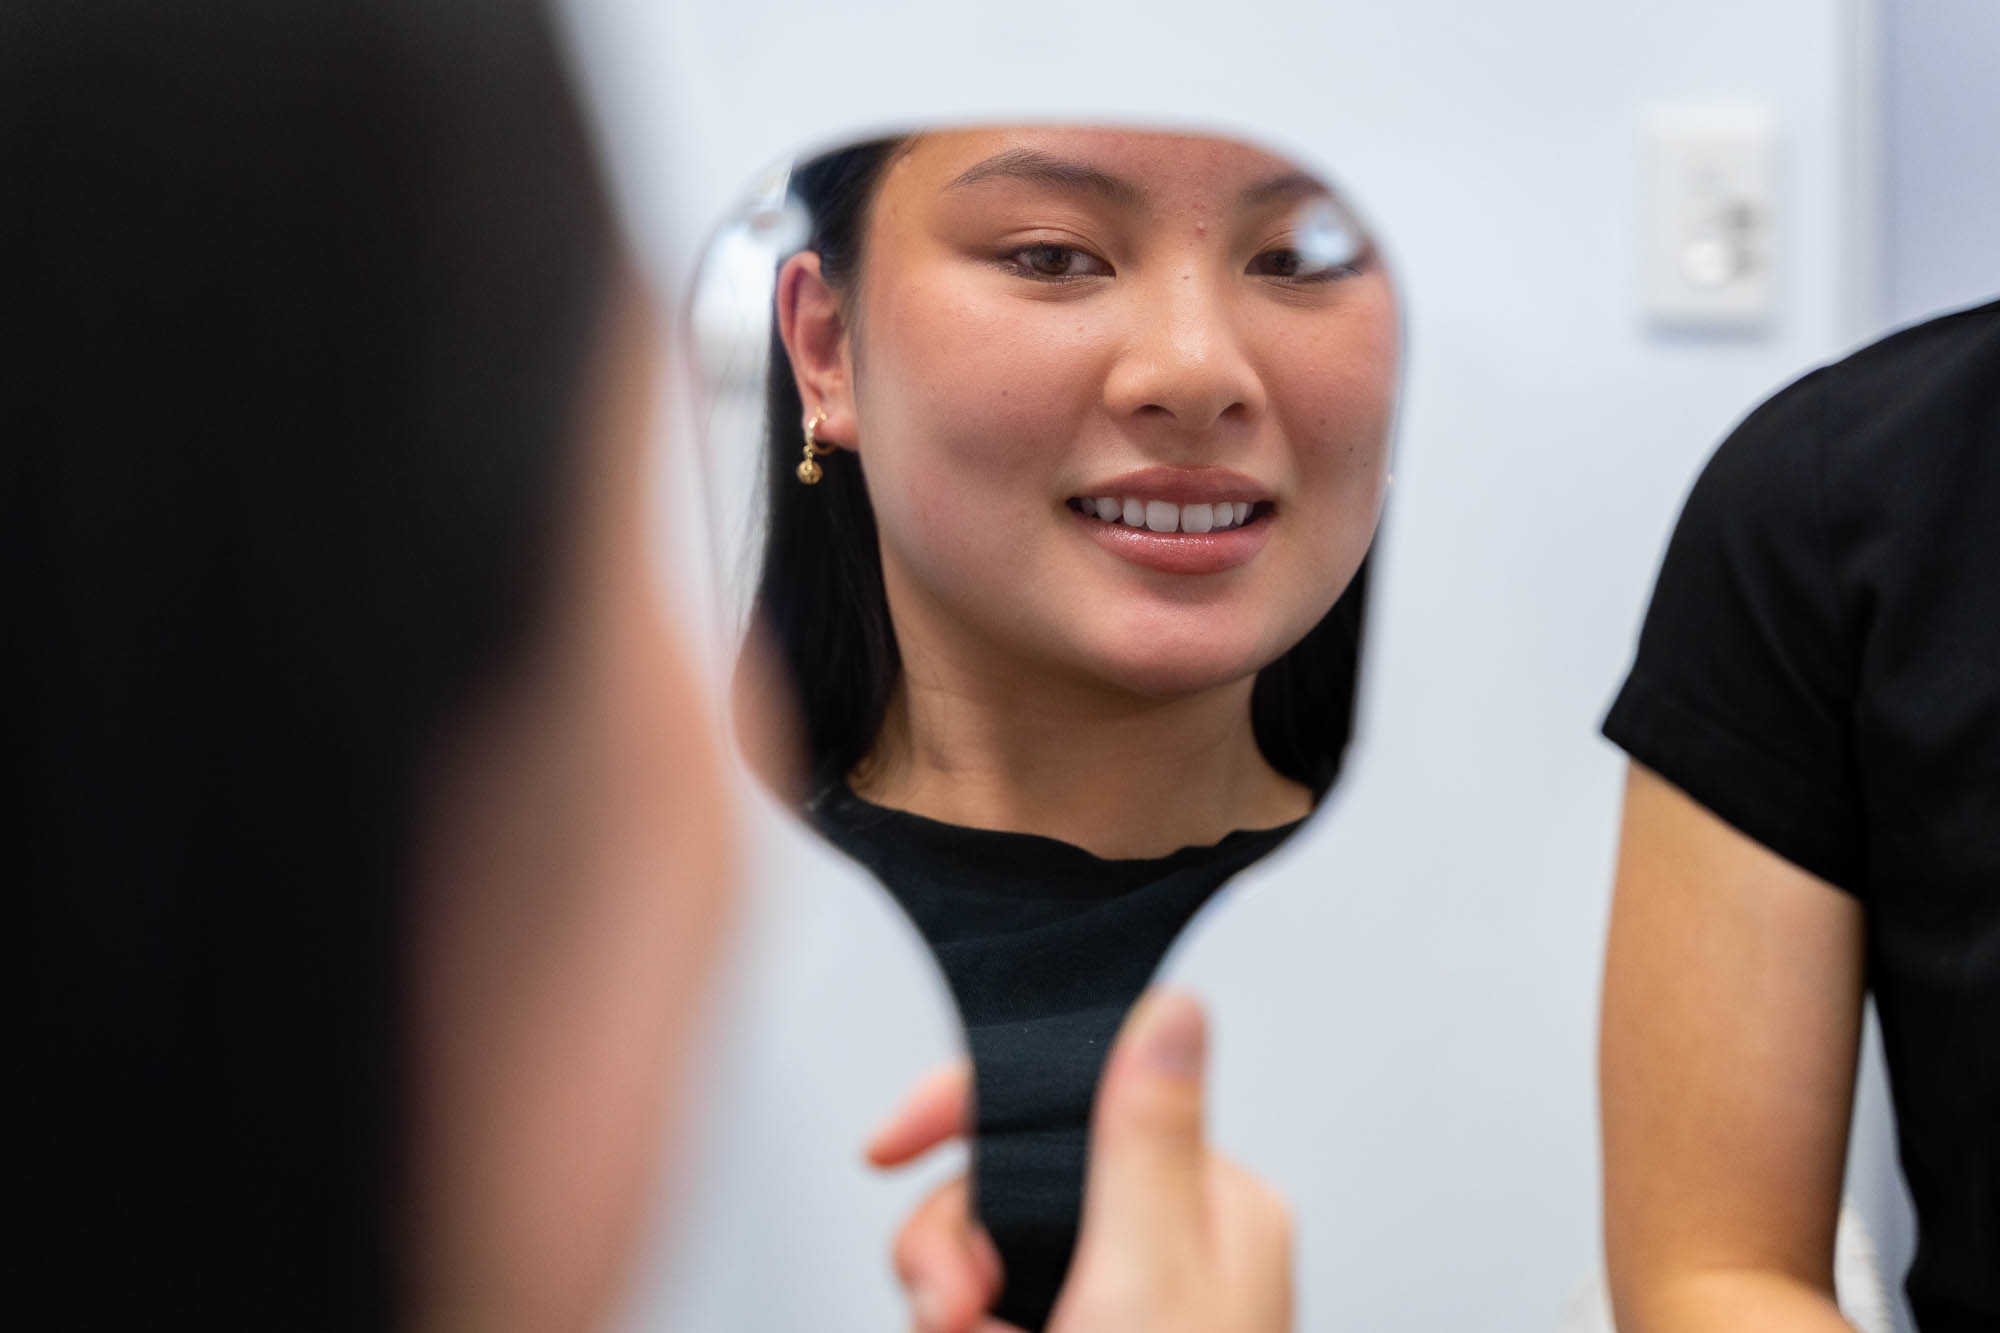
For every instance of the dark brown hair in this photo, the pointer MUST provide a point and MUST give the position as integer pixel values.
(299, 301)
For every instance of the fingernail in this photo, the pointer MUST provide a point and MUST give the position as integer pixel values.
(1176, 1036)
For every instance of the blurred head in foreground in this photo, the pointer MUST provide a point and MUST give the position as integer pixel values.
(369, 851)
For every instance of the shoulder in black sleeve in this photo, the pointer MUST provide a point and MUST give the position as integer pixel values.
(1826, 625)
(1743, 685)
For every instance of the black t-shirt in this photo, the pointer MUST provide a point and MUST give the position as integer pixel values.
(1045, 947)
(1820, 667)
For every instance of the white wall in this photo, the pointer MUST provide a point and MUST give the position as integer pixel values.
(1404, 998)
(1941, 142)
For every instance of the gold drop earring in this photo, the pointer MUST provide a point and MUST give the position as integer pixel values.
(809, 470)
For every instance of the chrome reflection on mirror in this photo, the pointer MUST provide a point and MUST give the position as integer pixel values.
(729, 341)
(1064, 633)
(1327, 236)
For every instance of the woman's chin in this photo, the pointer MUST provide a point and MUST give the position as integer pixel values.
(1167, 670)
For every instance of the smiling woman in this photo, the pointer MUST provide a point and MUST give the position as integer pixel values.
(1068, 607)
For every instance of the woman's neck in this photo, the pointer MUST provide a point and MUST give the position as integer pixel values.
(1114, 774)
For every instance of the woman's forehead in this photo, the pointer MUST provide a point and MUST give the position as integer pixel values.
(1129, 166)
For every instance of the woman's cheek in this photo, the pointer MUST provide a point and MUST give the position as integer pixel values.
(1339, 367)
(1337, 402)
(1001, 380)
(1338, 394)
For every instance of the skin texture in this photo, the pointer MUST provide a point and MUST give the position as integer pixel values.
(1013, 341)
(571, 890)
(1175, 1238)
(1732, 1012)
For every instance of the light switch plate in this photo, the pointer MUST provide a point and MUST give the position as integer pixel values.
(1709, 216)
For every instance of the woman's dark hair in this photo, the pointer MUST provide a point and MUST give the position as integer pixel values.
(820, 603)
(300, 301)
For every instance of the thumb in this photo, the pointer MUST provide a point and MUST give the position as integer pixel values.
(1148, 1162)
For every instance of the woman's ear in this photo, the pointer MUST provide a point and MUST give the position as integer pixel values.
(814, 331)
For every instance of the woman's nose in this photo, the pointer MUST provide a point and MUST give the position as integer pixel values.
(1184, 363)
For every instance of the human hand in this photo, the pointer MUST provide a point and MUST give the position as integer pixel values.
(1175, 1238)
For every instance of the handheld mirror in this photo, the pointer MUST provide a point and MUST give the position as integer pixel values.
(1046, 462)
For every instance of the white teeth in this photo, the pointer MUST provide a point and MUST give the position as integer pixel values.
(1165, 516)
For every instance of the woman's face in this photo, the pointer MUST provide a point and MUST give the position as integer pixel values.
(1123, 417)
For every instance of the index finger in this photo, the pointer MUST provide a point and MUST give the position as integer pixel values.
(937, 1109)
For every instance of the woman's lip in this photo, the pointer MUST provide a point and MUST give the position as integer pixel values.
(1179, 552)
(1181, 486)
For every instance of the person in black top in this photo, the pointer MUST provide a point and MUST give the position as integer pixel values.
(1813, 720)
(1078, 443)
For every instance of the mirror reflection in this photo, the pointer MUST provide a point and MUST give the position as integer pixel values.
(1052, 456)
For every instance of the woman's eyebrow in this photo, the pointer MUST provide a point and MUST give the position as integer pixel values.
(1291, 185)
(1028, 164)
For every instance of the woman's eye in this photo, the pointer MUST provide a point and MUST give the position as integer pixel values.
(1057, 261)
(1290, 264)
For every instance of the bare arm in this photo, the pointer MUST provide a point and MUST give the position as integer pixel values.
(1732, 1011)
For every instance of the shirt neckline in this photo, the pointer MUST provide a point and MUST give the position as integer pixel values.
(841, 794)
